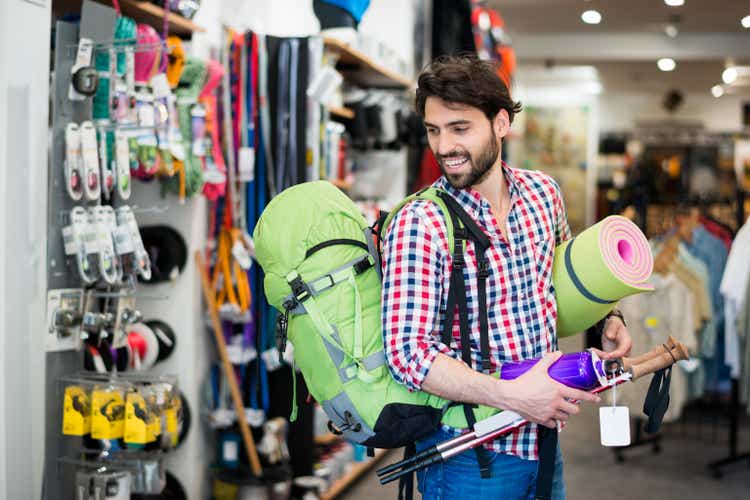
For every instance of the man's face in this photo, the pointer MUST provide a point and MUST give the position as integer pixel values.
(465, 143)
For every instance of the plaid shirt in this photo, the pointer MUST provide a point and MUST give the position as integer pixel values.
(521, 305)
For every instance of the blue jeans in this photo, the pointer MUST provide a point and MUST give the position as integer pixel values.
(512, 478)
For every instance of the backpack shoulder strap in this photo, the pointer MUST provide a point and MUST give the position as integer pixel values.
(430, 194)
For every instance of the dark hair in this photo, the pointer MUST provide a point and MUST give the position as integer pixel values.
(465, 79)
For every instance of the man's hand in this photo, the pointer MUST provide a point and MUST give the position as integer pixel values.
(616, 339)
(540, 399)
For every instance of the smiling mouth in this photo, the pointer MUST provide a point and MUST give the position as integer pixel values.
(455, 163)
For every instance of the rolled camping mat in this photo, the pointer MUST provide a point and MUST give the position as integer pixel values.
(593, 271)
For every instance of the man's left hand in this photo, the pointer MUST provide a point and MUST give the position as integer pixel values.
(616, 340)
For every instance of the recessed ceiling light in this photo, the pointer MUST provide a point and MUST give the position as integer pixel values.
(591, 17)
(717, 91)
(745, 22)
(671, 30)
(675, 3)
(666, 64)
(729, 75)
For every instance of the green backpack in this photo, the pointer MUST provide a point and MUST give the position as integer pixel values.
(322, 272)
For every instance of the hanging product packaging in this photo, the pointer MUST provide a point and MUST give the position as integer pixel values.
(137, 420)
(129, 244)
(90, 156)
(108, 412)
(76, 411)
(73, 162)
(122, 165)
(80, 241)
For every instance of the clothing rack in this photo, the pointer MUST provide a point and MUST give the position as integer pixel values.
(734, 406)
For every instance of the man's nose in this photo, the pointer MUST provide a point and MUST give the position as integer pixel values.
(445, 145)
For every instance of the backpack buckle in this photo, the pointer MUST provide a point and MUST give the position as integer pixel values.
(300, 289)
(483, 268)
(362, 266)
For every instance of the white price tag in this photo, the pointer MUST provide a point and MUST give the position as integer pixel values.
(69, 241)
(230, 451)
(223, 417)
(91, 242)
(160, 85)
(241, 255)
(614, 425)
(254, 417)
(271, 358)
(247, 164)
(146, 115)
(234, 353)
(123, 241)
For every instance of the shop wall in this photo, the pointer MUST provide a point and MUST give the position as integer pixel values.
(389, 21)
(23, 180)
(621, 111)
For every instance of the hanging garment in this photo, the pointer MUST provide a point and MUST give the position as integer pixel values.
(652, 317)
(743, 332)
(702, 311)
(719, 230)
(451, 28)
(733, 288)
(312, 154)
(287, 85)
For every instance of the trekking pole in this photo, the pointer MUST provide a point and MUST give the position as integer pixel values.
(494, 427)
(627, 363)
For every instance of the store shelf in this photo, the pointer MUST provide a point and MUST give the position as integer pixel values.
(363, 70)
(327, 439)
(356, 471)
(341, 112)
(141, 12)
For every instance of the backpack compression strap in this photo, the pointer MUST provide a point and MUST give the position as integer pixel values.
(465, 229)
(547, 438)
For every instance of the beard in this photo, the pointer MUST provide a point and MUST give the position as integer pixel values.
(479, 167)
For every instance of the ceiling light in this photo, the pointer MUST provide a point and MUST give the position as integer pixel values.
(591, 17)
(745, 22)
(675, 3)
(671, 30)
(717, 91)
(666, 64)
(729, 75)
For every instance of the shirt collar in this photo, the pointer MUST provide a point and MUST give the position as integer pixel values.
(471, 199)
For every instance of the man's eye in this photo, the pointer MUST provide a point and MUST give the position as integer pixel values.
(460, 130)
(432, 131)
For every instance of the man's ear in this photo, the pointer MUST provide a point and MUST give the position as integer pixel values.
(501, 123)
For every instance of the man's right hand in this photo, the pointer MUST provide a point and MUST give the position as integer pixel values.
(540, 399)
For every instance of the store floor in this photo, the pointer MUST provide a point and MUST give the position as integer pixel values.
(678, 472)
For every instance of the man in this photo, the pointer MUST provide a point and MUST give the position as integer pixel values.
(467, 111)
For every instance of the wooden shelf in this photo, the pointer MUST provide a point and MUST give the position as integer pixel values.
(154, 15)
(327, 439)
(141, 12)
(345, 185)
(362, 70)
(354, 473)
(341, 112)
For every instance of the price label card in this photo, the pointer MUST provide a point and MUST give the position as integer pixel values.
(614, 425)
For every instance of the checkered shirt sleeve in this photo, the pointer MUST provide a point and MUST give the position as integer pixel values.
(562, 229)
(414, 250)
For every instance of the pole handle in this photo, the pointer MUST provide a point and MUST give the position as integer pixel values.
(663, 360)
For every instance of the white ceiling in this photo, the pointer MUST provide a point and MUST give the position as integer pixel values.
(634, 16)
(624, 48)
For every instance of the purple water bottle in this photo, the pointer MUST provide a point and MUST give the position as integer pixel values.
(580, 370)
